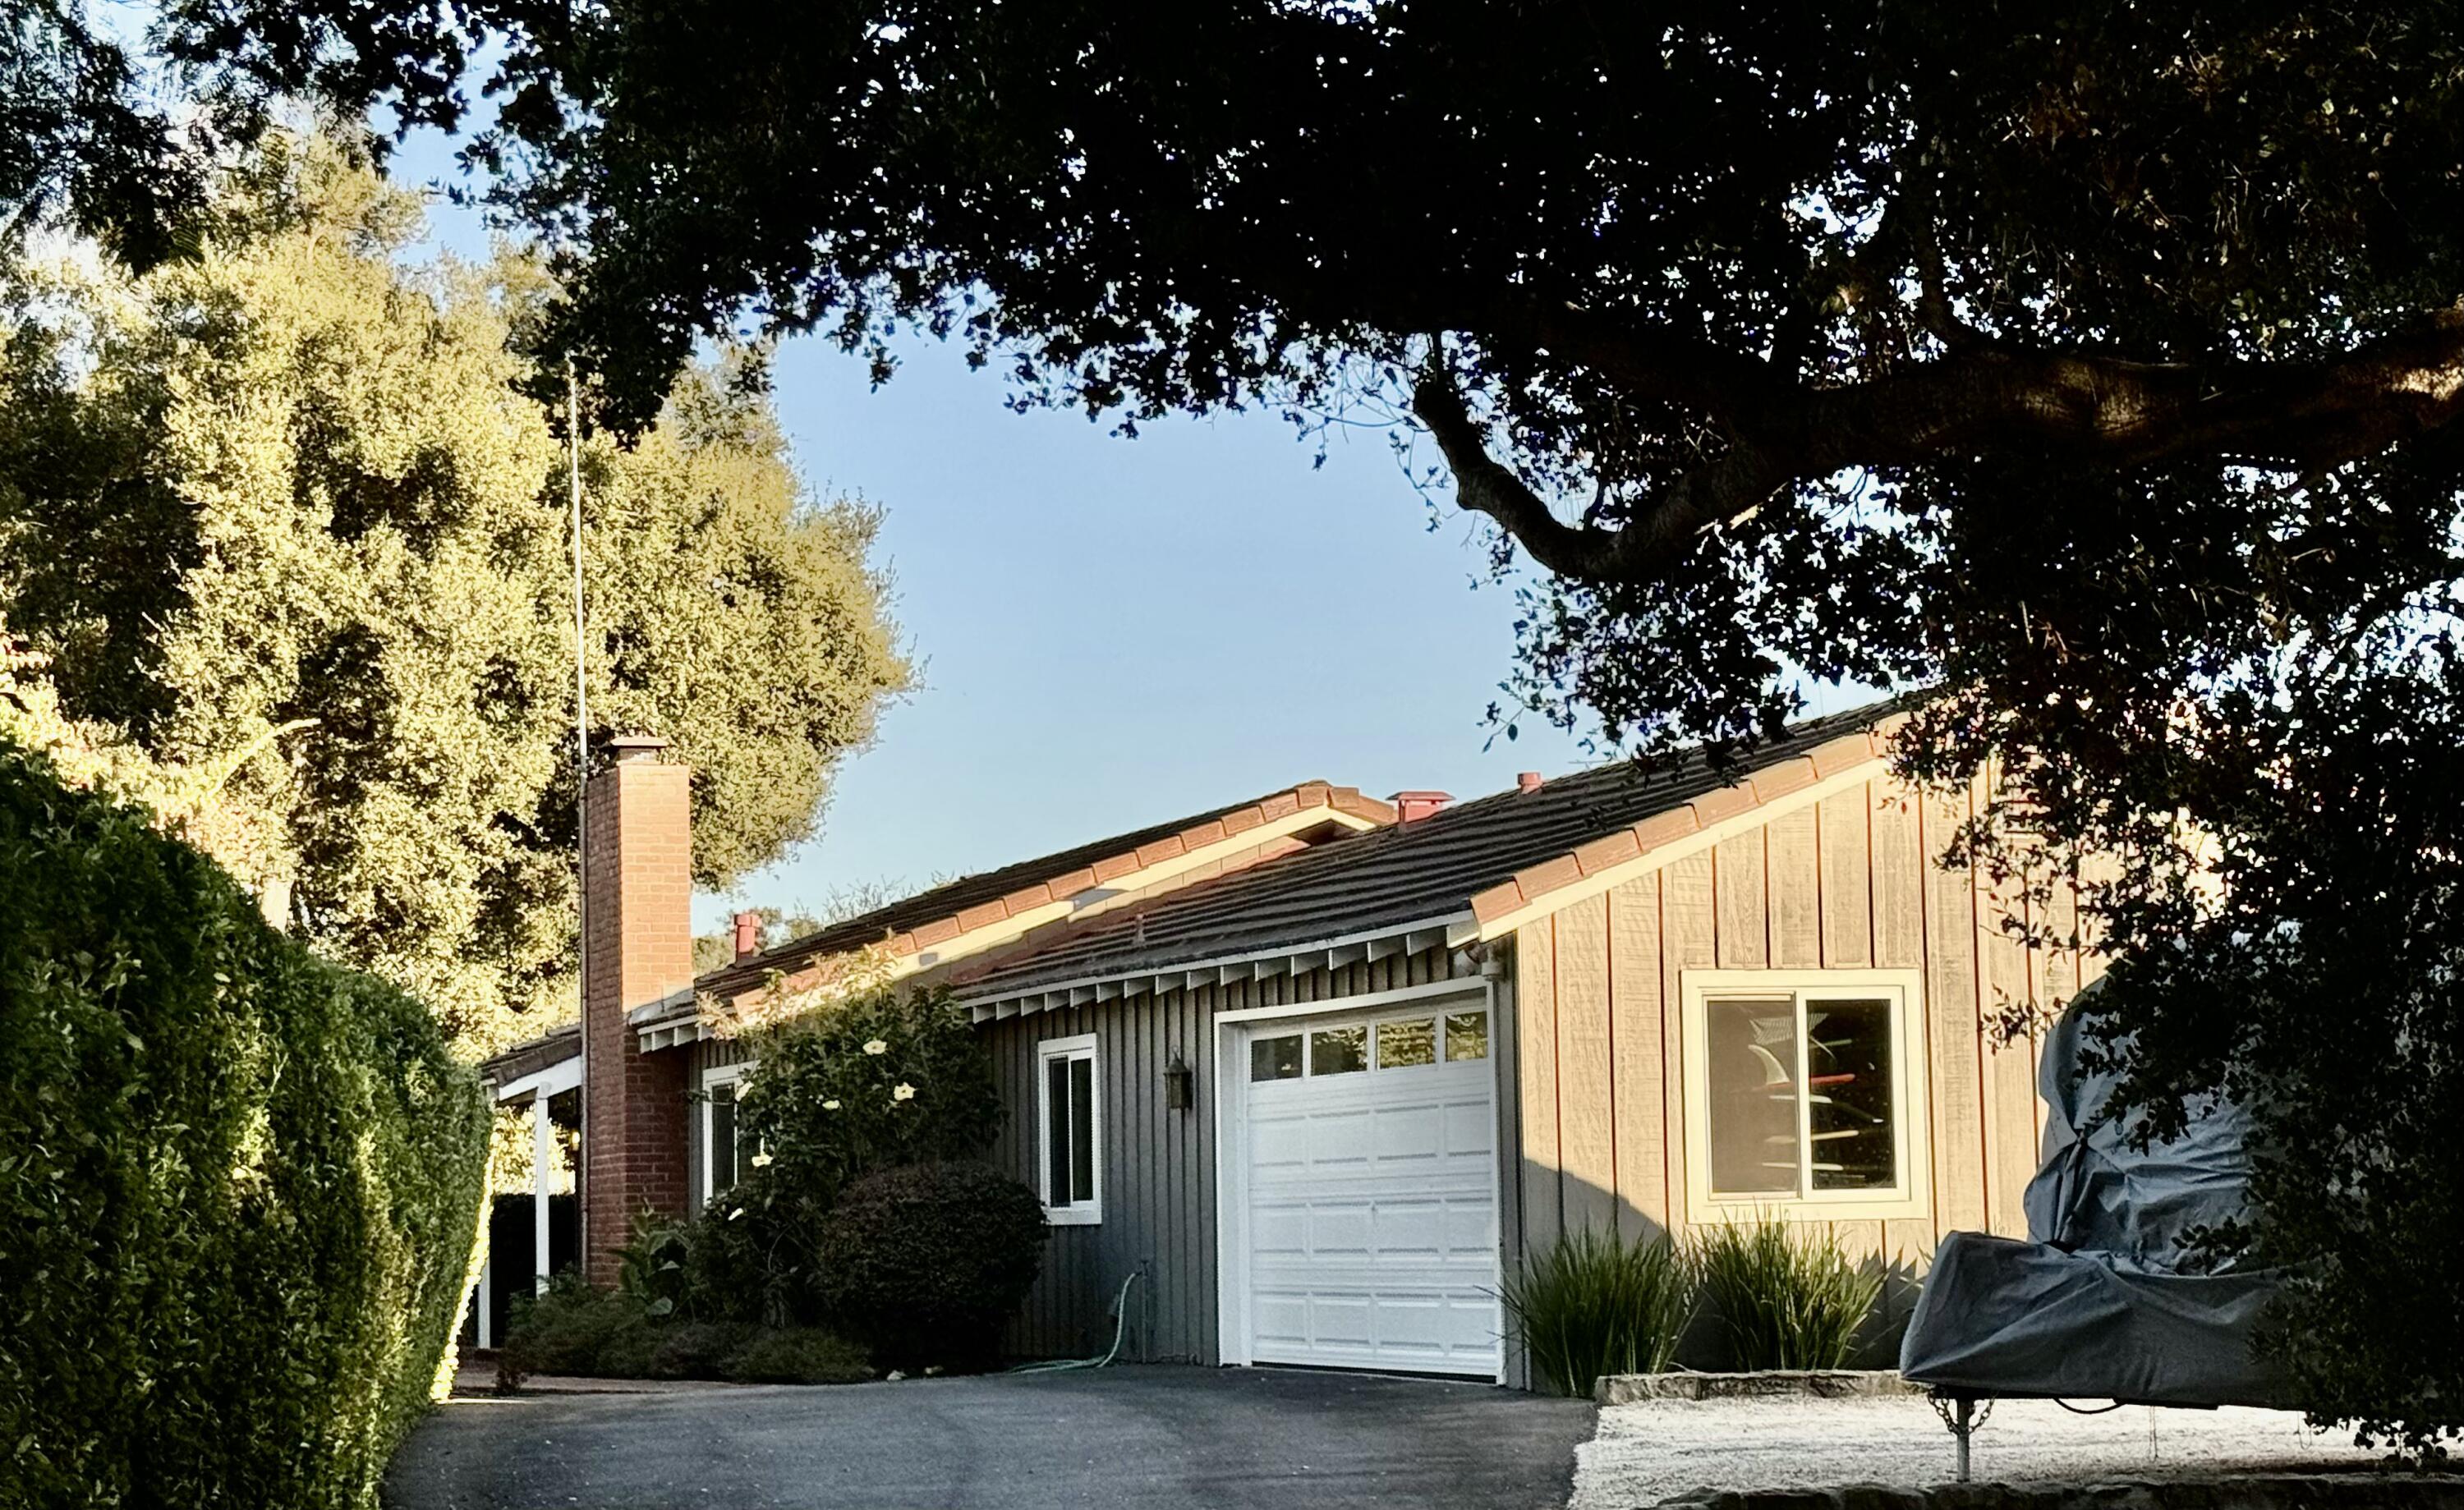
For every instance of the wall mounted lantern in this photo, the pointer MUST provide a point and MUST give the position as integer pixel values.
(1180, 1084)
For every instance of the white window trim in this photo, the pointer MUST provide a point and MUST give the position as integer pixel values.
(1911, 1094)
(723, 1075)
(1088, 1213)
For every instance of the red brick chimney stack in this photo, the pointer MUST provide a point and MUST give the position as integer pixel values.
(1410, 807)
(748, 934)
(637, 878)
(1528, 782)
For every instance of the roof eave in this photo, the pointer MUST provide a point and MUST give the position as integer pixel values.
(1451, 930)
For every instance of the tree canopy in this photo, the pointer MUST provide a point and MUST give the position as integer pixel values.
(2094, 367)
(291, 545)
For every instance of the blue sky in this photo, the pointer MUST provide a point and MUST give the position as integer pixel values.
(1113, 632)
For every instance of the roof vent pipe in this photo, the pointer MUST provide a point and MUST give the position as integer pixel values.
(1528, 781)
(1410, 807)
(748, 934)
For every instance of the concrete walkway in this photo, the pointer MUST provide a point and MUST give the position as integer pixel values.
(1654, 1451)
(1178, 1438)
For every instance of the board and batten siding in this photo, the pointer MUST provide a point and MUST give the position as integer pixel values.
(1855, 881)
(1157, 1180)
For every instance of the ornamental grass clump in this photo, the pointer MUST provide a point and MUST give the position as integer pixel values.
(1787, 1297)
(1595, 1303)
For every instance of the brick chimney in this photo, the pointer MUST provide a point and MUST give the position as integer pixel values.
(1410, 807)
(637, 887)
(1528, 782)
(748, 934)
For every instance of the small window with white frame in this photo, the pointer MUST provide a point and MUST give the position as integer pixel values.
(722, 1150)
(1805, 1094)
(1070, 1131)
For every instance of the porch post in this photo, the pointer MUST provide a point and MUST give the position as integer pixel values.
(542, 1154)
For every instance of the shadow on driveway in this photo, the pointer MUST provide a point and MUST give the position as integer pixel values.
(1128, 1436)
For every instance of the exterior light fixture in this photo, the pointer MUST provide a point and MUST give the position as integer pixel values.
(1180, 1084)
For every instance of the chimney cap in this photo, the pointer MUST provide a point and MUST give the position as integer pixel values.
(636, 747)
(1412, 805)
(1528, 780)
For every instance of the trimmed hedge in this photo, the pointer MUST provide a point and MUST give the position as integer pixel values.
(237, 1183)
(926, 1263)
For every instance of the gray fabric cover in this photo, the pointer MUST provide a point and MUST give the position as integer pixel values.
(2094, 1306)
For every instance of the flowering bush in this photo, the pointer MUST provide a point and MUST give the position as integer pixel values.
(871, 1081)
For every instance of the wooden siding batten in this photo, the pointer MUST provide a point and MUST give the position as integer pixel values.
(2009, 1078)
(1688, 940)
(1536, 996)
(1792, 886)
(1738, 900)
(1635, 1053)
(1950, 940)
(1586, 1088)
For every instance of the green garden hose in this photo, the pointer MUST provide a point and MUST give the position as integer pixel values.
(1120, 1325)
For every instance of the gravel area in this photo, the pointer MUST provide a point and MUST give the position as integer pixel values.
(1653, 1451)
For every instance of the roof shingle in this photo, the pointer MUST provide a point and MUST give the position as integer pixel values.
(1487, 857)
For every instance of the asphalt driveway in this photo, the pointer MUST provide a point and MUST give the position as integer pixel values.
(1128, 1436)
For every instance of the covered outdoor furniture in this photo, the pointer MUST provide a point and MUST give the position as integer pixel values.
(2101, 1302)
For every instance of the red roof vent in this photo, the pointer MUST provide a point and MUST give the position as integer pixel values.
(1410, 807)
(1528, 781)
(748, 934)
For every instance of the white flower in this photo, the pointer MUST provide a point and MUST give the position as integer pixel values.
(830, 1105)
(760, 1161)
(877, 1046)
(738, 1212)
(904, 1092)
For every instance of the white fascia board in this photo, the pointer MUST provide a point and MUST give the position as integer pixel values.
(1757, 816)
(558, 1077)
(1298, 956)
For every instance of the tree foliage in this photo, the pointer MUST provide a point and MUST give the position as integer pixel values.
(288, 531)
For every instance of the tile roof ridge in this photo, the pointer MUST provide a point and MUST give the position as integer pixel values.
(1216, 826)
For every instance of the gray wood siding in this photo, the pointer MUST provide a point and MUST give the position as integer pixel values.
(1158, 1164)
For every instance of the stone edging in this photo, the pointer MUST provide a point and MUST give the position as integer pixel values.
(2364, 1489)
(1818, 1384)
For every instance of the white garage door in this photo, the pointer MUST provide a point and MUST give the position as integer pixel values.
(1369, 1191)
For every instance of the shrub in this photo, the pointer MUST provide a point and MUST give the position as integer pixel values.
(238, 1185)
(566, 1329)
(1593, 1304)
(1787, 1297)
(574, 1329)
(797, 1355)
(925, 1264)
(872, 1081)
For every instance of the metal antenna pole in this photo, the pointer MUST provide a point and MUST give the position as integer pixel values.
(581, 787)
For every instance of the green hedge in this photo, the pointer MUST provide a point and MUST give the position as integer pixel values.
(237, 1183)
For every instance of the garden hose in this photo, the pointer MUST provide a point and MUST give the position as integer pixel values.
(1120, 1325)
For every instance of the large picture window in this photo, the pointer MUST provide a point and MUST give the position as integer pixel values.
(1805, 1093)
(1071, 1117)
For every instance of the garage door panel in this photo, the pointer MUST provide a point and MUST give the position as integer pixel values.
(1372, 1216)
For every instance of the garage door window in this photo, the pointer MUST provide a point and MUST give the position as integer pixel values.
(1071, 1124)
(1352, 1048)
(1407, 1044)
(1807, 1092)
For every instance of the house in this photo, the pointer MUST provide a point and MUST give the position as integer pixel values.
(1315, 1067)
